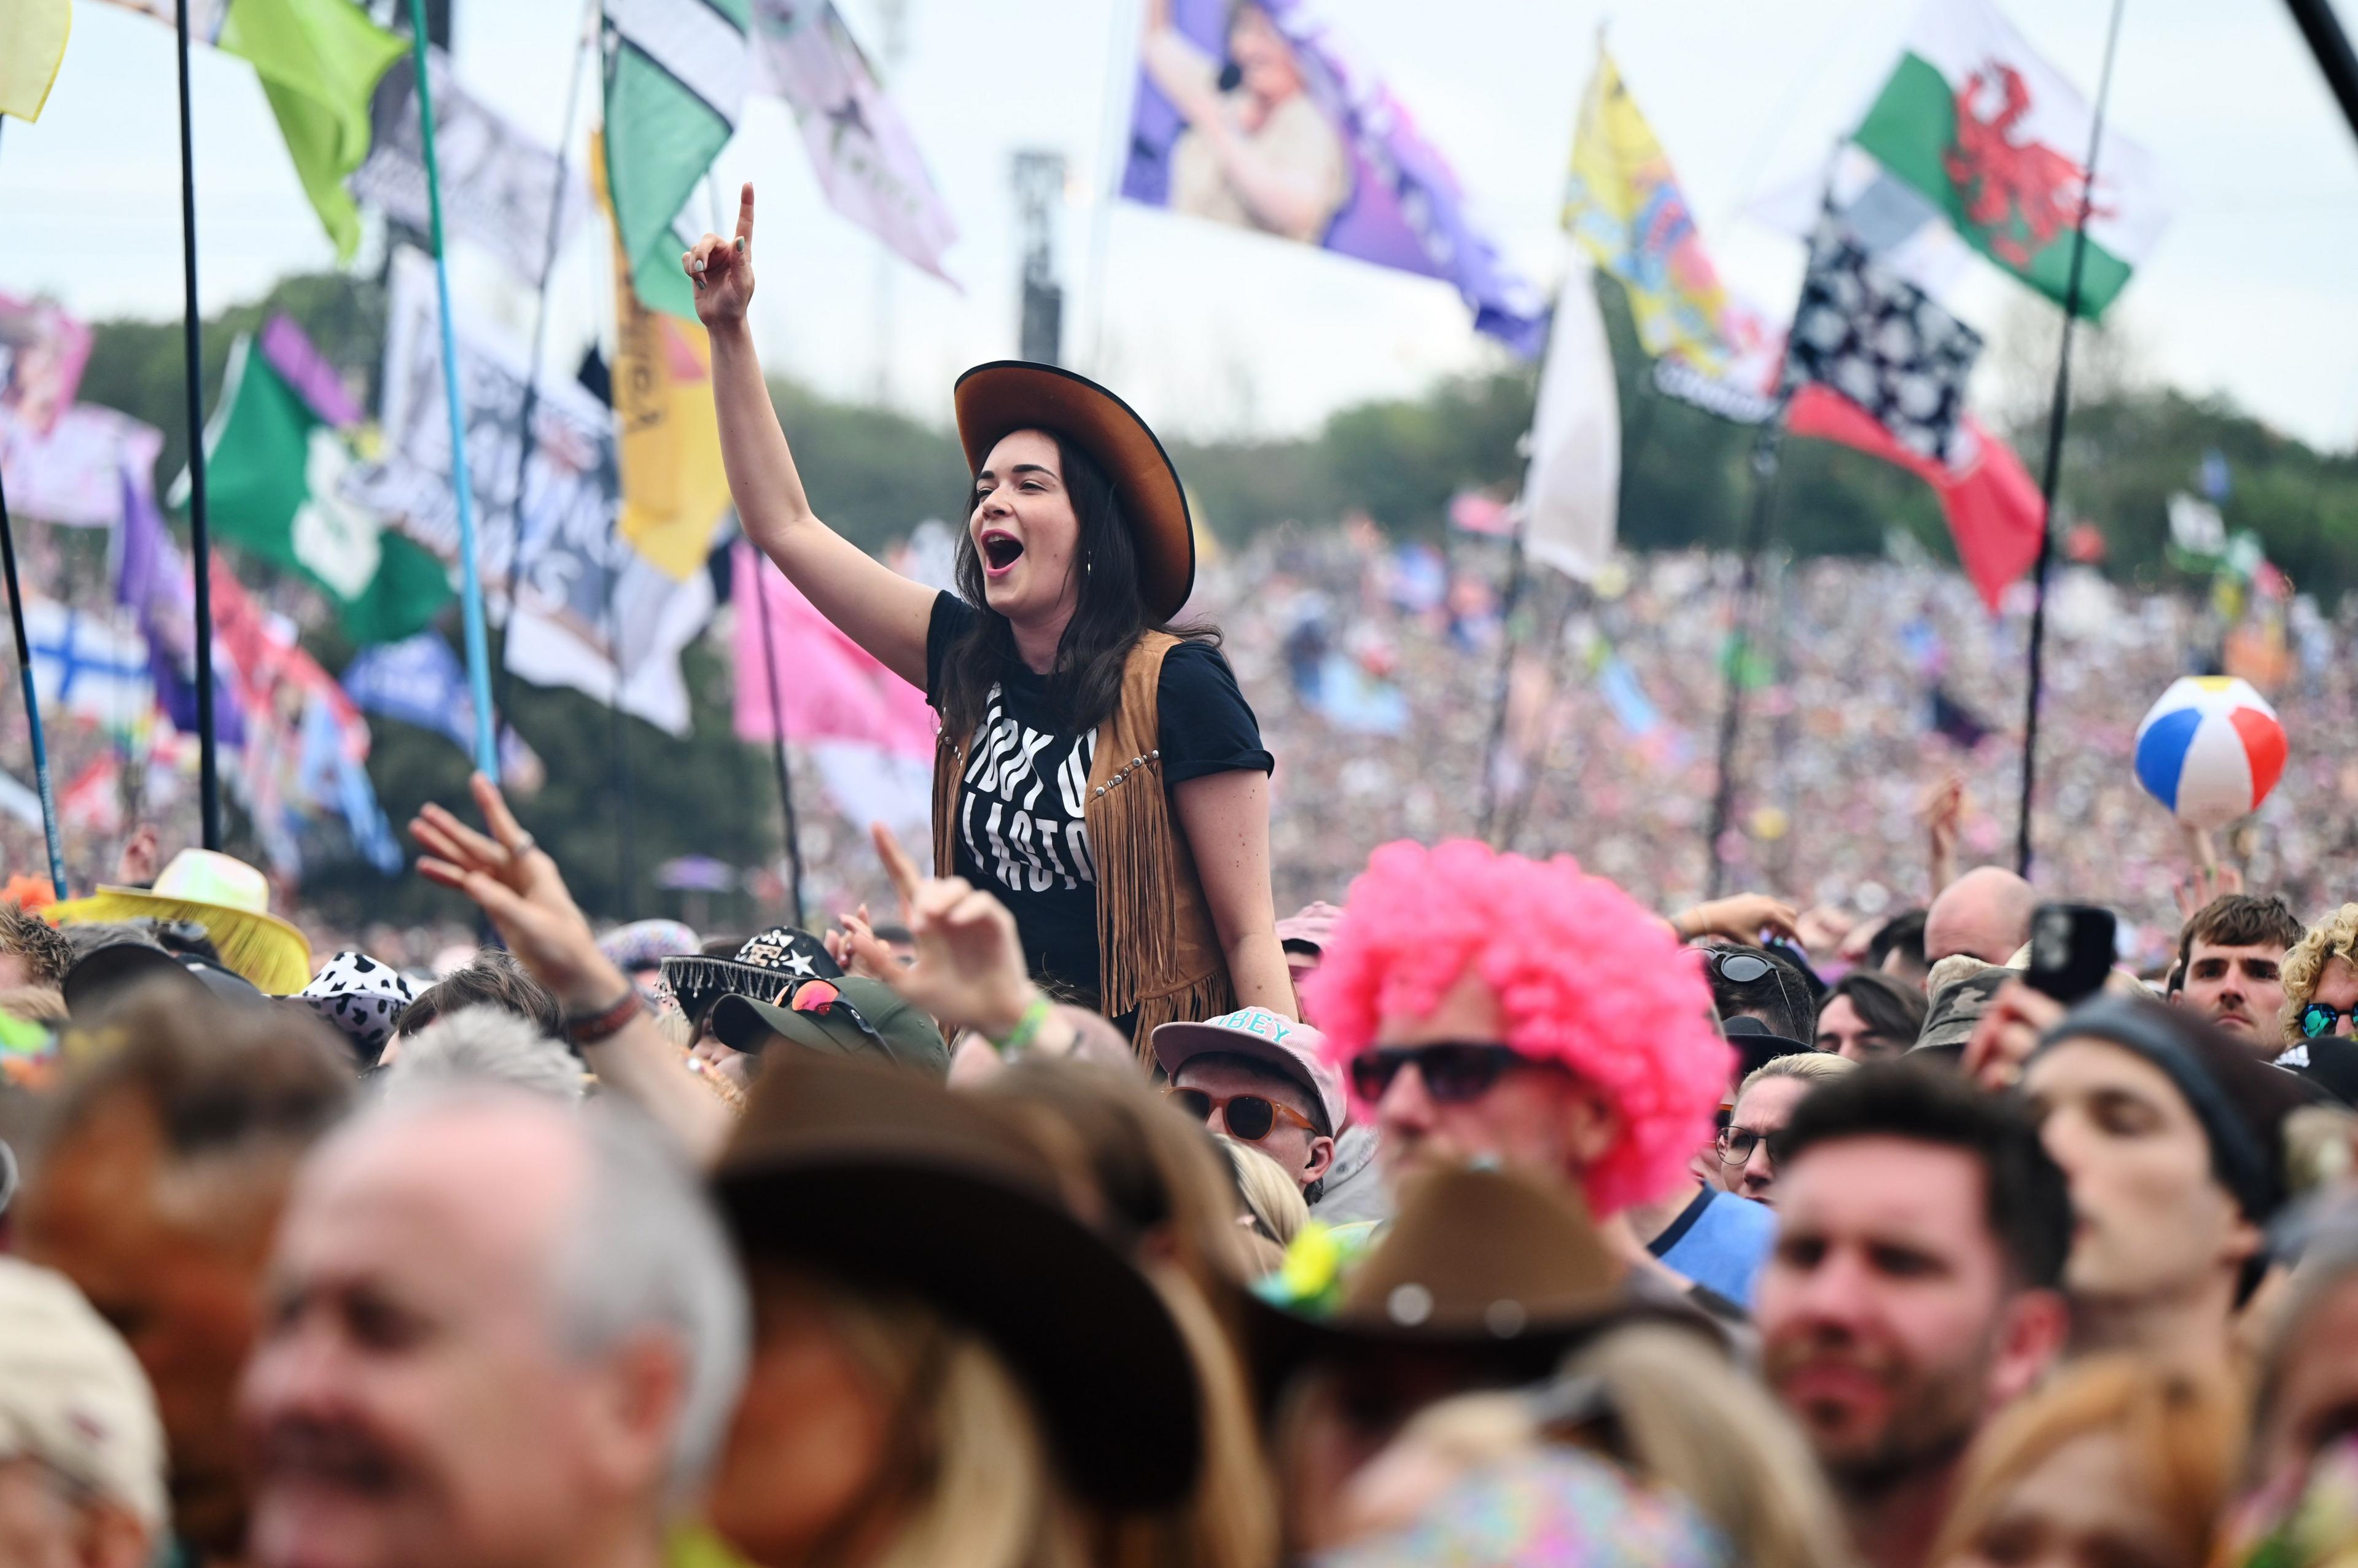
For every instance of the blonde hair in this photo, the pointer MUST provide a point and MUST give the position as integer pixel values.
(1810, 1066)
(1688, 1421)
(1269, 1195)
(2182, 1435)
(2335, 936)
(984, 1493)
(34, 1004)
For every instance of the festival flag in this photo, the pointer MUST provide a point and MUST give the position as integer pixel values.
(1993, 135)
(870, 733)
(319, 61)
(675, 78)
(568, 481)
(32, 46)
(419, 681)
(1622, 202)
(273, 472)
(499, 184)
(1992, 506)
(667, 439)
(93, 802)
(1895, 223)
(42, 352)
(95, 666)
(1348, 170)
(153, 580)
(1575, 483)
(72, 472)
(1877, 340)
(859, 147)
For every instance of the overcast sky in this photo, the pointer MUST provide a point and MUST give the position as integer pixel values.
(2253, 290)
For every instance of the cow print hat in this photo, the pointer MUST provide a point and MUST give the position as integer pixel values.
(362, 996)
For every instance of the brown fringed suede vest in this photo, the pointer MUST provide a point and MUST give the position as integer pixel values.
(1158, 953)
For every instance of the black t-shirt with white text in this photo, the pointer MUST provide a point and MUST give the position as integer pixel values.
(1020, 831)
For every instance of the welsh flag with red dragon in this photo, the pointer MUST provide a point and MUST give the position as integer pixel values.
(1994, 136)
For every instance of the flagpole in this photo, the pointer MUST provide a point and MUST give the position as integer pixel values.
(539, 336)
(2330, 46)
(1766, 469)
(200, 532)
(32, 702)
(2056, 416)
(778, 734)
(1507, 603)
(478, 679)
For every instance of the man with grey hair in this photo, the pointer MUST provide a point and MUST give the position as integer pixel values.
(482, 1045)
(501, 1332)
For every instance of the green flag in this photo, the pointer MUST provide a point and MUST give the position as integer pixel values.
(272, 468)
(319, 61)
(676, 73)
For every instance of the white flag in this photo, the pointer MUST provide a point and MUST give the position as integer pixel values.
(1573, 487)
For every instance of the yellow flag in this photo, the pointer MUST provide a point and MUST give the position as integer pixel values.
(673, 488)
(32, 46)
(1623, 204)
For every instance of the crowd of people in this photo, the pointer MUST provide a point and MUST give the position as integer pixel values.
(1182, 1167)
(1547, 1227)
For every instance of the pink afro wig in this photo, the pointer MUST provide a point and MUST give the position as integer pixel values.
(1584, 976)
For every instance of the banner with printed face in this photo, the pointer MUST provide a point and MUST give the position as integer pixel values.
(1258, 113)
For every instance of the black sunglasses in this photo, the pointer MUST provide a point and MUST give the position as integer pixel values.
(1249, 1118)
(1741, 968)
(1453, 1071)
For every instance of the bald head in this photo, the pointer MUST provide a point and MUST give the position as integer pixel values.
(1985, 914)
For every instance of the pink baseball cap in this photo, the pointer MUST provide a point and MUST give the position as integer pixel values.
(1309, 926)
(1294, 1050)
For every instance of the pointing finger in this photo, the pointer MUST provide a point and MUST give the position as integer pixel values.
(897, 864)
(745, 218)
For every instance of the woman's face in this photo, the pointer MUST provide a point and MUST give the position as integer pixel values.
(1025, 531)
(1264, 58)
(2147, 1212)
(2086, 1505)
(809, 1436)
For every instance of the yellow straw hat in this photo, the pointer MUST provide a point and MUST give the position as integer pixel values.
(229, 898)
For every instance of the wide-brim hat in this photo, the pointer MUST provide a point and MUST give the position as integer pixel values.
(1496, 1271)
(887, 1180)
(102, 975)
(897, 1033)
(229, 898)
(766, 963)
(997, 399)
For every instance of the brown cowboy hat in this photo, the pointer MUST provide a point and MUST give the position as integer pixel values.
(997, 399)
(1494, 1274)
(886, 1179)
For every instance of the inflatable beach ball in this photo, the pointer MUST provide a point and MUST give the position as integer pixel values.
(2209, 750)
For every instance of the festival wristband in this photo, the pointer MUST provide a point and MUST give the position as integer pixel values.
(1016, 1039)
(590, 1029)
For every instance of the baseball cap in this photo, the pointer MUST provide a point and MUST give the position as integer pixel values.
(896, 1032)
(1756, 1045)
(1294, 1050)
(72, 1396)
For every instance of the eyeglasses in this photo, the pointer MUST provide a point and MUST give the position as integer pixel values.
(2318, 1019)
(1454, 1072)
(821, 996)
(1735, 1144)
(1248, 1117)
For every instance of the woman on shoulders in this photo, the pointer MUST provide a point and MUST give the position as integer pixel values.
(1098, 771)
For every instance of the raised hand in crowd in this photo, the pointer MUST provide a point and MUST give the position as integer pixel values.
(722, 269)
(519, 888)
(2209, 879)
(1741, 918)
(1944, 815)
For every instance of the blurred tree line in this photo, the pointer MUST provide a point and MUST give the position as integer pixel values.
(1685, 482)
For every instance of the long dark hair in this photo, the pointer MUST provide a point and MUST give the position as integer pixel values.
(1109, 616)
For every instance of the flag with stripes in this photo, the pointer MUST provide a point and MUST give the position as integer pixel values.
(675, 78)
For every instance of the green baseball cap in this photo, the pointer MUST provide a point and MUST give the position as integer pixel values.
(868, 1018)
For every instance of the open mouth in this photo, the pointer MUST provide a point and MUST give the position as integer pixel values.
(1000, 551)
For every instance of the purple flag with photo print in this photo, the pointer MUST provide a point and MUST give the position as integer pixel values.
(1260, 115)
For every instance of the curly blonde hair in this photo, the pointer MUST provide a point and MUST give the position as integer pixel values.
(2335, 936)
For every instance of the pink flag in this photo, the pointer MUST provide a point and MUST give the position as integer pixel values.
(829, 688)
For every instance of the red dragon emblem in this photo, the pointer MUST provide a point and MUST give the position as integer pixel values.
(2021, 194)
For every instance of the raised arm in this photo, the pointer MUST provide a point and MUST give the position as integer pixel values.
(875, 606)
